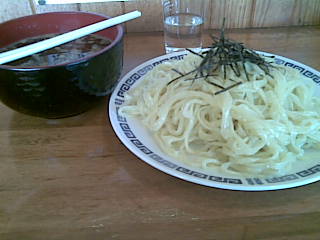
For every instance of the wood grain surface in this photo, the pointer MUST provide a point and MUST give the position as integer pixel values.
(13, 9)
(151, 19)
(55, 7)
(72, 178)
(110, 9)
(238, 13)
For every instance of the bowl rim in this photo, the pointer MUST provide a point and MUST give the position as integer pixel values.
(119, 37)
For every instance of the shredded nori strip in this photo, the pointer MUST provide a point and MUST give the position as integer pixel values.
(223, 54)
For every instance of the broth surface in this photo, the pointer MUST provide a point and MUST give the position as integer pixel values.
(71, 51)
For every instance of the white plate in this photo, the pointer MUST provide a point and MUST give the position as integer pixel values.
(139, 141)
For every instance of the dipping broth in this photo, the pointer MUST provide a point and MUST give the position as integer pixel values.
(68, 52)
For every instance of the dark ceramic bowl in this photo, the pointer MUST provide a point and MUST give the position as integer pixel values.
(61, 90)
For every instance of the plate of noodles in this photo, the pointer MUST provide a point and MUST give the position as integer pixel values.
(251, 130)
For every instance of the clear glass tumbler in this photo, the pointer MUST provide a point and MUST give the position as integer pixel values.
(183, 22)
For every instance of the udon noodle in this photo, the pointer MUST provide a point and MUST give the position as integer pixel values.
(260, 127)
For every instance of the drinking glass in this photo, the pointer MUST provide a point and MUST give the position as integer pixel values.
(183, 22)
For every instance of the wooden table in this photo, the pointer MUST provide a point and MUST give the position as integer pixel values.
(73, 179)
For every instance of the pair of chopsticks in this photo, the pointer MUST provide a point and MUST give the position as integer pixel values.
(64, 38)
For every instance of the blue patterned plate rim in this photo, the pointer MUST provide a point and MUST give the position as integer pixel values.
(139, 141)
